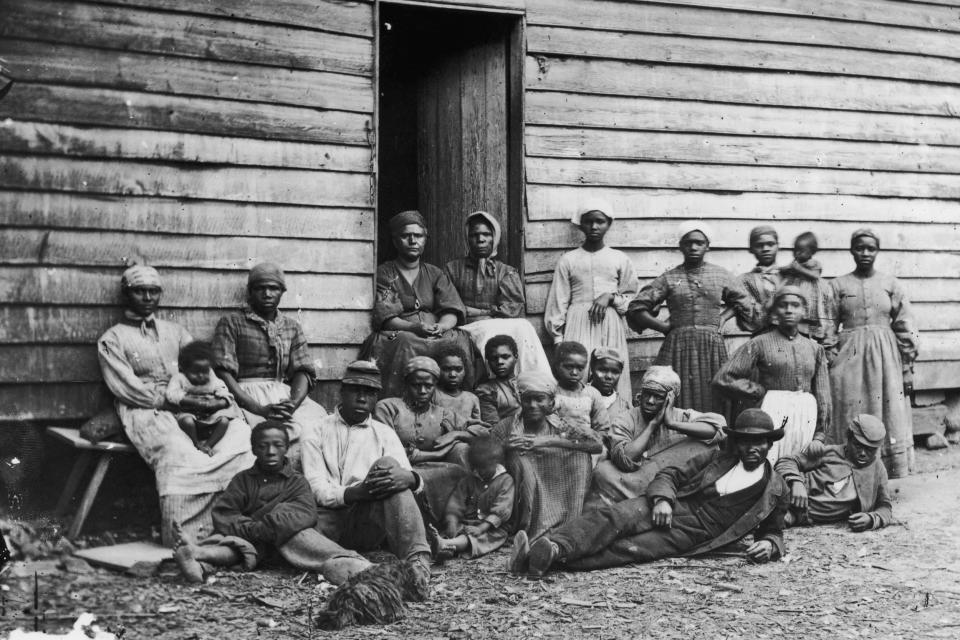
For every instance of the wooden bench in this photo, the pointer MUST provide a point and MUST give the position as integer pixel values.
(104, 453)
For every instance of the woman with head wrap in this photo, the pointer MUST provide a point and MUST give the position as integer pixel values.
(435, 437)
(872, 366)
(784, 373)
(416, 308)
(591, 289)
(492, 293)
(138, 356)
(262, 355)
(549, 459)
(696, 293)
(653, 435)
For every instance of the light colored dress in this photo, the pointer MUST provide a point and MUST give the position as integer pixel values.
(137, 359)
(579, 278)
(878, 341)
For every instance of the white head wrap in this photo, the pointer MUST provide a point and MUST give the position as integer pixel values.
(688, 226)
(660, 378)
(490, 221)
(140, 275)
(594, 204)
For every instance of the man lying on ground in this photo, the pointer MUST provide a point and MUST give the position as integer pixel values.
(840, 483)
(713, 500)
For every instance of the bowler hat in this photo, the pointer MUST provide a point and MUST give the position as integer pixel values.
(754, 422)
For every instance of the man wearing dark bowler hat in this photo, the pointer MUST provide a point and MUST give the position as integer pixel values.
(712, 500)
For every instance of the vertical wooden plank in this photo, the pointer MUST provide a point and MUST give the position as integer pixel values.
(495, 165)
(516, 211)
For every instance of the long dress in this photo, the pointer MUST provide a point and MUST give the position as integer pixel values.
(263, 357)
(497, 291)
(787, 378)
(420, 430)
(431, 295)
(551, 483)
(878, 340)
(622, 478)
(580, 277)
(137, 360)
(695, 298)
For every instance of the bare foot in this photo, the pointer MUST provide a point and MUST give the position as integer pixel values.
(183, 553)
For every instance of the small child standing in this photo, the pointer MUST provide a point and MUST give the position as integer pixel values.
(606, 367)
(480, 507)
(450, 393)
(499, 397)
(805, 273)
(205, 405)
(576, 403)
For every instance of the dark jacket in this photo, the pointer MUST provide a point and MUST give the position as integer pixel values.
(765, 517)
(816, 472)
(265, 507)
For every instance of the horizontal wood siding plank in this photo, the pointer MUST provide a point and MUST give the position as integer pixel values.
(893, 13)
(740, 178)
(734, 234)
(34, 364)
(656, 114)
(337, 16)
(554, 202)
(73, 325)
(652, 262)
(738, 54)
(188, 217)
(131, 29)
(106, 249)
(19, 136)
(616, 144)
(642, 17)
(109, 108)
(936, 375)
(614, 77)
(241, 184)
(84, 66)
(184, 289)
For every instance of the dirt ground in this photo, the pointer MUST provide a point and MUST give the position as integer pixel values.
(901, 582)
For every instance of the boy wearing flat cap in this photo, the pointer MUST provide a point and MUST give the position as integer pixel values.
(841, 483)
(712, 500)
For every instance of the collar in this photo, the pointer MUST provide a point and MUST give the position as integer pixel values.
(359, 425)
(499, 471)
(252, 315)
(489, 264)
(767, 270)
(136, 320)
(286, 470)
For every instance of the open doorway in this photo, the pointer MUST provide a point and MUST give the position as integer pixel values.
(450, 124)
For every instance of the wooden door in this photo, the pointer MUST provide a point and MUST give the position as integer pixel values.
(462, 144)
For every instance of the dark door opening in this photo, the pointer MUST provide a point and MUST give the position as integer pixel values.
(450, 124)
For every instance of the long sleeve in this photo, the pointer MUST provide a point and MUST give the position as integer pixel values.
(820, 386)
(558, 301)
(793, 468)
(228, 514)
(489, 411)
(882, 509)
(121, 379)
(299, 357)
(628, 286)
(387, 303)
(903, 324)
(734, 377)
(737, 298)
(771, 529)
(225, 347)
(599, 417)
(501, 503)
(510, 298)
(324, 478)
(666, 484)
(297, 511)
(175, 391)
(446, 299)
(651, 295)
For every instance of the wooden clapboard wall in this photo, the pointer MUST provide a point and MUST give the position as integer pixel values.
(198, 136)
(822, 115)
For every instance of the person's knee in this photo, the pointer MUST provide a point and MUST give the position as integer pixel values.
(386, 462)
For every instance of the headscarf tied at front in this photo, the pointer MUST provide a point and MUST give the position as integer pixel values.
(661, 379)
(484, 266)
(536, 382)
(267, 273)
(140, 275)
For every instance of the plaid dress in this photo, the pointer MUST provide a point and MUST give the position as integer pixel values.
(696, 298)
(551, 483)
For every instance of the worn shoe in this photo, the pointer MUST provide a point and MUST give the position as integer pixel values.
(517, 564)
(543, 553)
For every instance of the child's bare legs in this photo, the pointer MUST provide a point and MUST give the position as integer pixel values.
(188, 424)
(188, 555)
(219, 429)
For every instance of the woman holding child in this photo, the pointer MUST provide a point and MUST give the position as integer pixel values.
(138, 357)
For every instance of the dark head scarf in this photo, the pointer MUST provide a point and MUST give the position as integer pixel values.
(763, 230)
(865, 232)
(266, 273)
(404, 218)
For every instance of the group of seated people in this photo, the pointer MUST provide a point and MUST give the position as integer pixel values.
(455, 432)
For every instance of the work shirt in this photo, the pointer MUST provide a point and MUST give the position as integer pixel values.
(479, 500)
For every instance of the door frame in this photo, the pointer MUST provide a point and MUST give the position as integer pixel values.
(516, 177)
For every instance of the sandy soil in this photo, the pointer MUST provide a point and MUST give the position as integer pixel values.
(901, 582)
